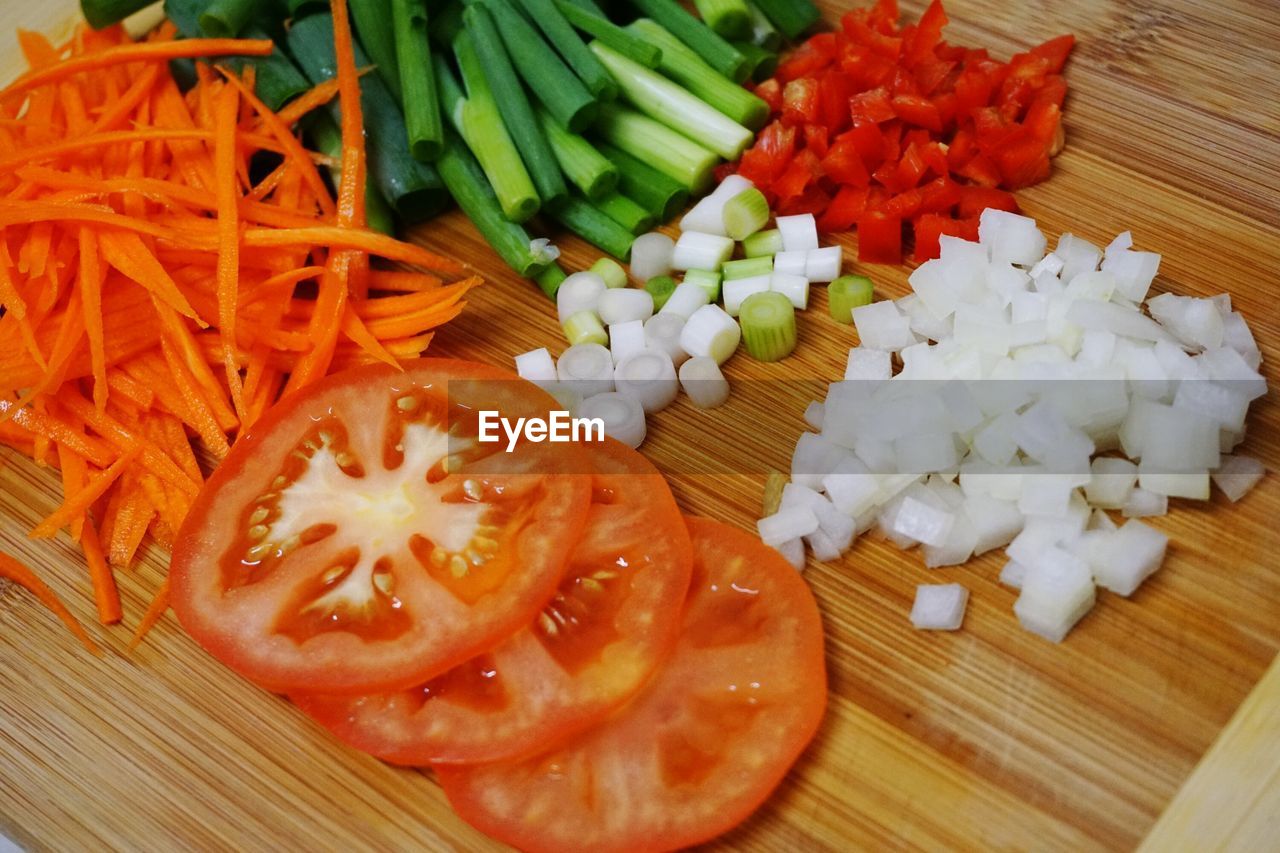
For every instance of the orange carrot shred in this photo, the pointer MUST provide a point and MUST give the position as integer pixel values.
(74, 506)
(24, 577)
(226, 113)
(105, 592)
(155, 612)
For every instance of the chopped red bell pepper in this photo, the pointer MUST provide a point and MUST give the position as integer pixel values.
(918, 110)
(800, 102)
(974, 200)
(873, 105)
(844, 163)
(845, 209)
(770, 91)
(879, 239)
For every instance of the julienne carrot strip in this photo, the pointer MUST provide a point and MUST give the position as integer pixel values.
(155, 612)
(12, 570)
(74, 506)
(74, 476)
(54, 150)
(402, 280)
(175, 330)
(314, 98)
(204, 421)
(14, 304)
(293, 149)
(122, 106)
(90, 281)
(105, 592)
(370, 242)
(56, 430)
(226, 115)
(268, 184)
(356, 331)
(127, 253)
(125, 386)
(162, 51)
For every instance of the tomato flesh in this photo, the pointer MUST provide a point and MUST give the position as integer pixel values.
(702, 746)
(360, 538)
(611, 622)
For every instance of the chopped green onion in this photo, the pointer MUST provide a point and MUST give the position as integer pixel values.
(747, 267)
(550, 279)
(656, 192)
(466, 182)
(708, 280)
(104, 13)
(792, 17)
(224, 19)
(714, 50)
(728, 18)
(763, 243)
(763, 32)
(626, 212)
(687, 68)
(745, 213)
(768, 326)
(660, 287)
(593, 225)
(541, 68)
(660, 99)
(611, 271)
(585, 328)
(846, 293)
(299, 9)
(417, 79)
(761, 61)
(517, 114)
(479, 120)
(584, 166)
(611, 34)
(647, 140)
(326, 138)
(547, 15)
(376, 31)
(589, 6)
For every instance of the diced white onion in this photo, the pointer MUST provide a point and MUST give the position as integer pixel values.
(813, 414)
(939, 607)
(786, 524)
(1237, 475)
(703, 382)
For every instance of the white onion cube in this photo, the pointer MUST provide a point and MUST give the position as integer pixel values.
(1237, 475)
(1124, 559)
(939, 607)
(1057, 591)
(787, 524)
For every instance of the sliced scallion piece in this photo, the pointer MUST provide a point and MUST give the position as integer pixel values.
(689, 70)
(546, 74)
(768, 326)
(479, 121)
(708, 280)
(660, 287)
(763, 32)
(417, 78)
(625, 212)
(325, 137)
(664, 101)
(846, 293)
(763, 243)
(585, 167)
(594, 226)
(517, 113)
(611, 34)
(584, 327)
(792, 17)
(550, 279)
(547, 15)
(714, 50)
(376, 31)
(745, 213)
(728, 18)
(656, 192)
(611, 271)
(104, 13)
(747, 267)
(761, 61)
(225, 19)
(466, 182)
(647, 140)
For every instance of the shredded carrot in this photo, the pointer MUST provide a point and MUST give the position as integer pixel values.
(159, 607)
(24, 577)
(152, 297)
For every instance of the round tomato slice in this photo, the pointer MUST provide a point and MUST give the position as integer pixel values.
(612, 621)
(361, 538)
(701, 746)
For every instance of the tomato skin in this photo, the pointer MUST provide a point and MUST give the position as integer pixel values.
(528, 698)
(243, 624)
(713, 734)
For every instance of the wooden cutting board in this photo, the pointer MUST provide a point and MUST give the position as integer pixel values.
(985, 738)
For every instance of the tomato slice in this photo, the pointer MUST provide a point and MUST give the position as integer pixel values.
(613, 620)
(359, 538)
(702, 746)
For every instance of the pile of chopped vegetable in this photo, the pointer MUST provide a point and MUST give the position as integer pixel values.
(537, 621)
(1047, 399)
(878, 125)
(172, 264)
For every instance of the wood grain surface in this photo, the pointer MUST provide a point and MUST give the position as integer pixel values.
(985, 738)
